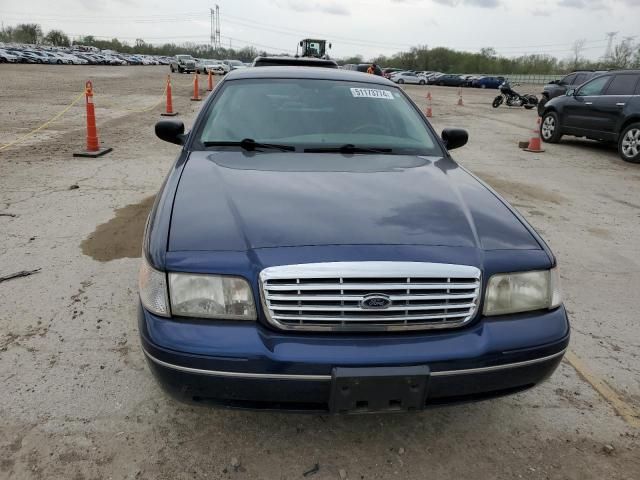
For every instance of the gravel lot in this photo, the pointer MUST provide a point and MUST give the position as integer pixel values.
(78, 402)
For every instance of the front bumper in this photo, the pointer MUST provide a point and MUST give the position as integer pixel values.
(245, 365)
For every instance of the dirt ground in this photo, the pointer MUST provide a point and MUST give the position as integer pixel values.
(78, 402)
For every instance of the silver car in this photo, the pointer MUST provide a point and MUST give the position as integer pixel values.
(408, 77)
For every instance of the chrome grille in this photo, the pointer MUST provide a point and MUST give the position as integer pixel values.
(329, 296)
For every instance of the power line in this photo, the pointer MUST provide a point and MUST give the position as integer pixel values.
(190, 17)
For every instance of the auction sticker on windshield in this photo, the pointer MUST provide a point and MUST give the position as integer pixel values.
(371, 93)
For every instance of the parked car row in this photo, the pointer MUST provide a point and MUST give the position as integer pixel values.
(19, 53)
(438, 78)
(189, 64)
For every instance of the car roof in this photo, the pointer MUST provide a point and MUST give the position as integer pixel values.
(294, 61)
(316, 73)
(626, 70)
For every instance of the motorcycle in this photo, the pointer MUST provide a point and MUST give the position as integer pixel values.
(514, 99)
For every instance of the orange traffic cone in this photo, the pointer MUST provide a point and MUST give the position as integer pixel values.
(93, 145)
(460, 102)
(429, 110)
(535, 144)
(196, 89)
(169, 110)
(210, 82)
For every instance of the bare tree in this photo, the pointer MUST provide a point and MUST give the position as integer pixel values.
(488, 52)
(576, 52)
(622, 54)
(27, 33)
(57, 38)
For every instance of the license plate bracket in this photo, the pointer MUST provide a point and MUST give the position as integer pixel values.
(378, 389)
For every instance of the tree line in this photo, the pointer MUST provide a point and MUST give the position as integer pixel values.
(625, 54)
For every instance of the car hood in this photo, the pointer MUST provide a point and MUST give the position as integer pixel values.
(237, 201)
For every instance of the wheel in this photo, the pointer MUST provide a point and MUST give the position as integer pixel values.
(3, 60)
(629, 143)
(59, 62)
(400, 81)
(541, 104)
(550, 128)
(422, 82)
(497, 101)
(180, 70)
(531, 99)
(173, 70)
(528, 106)
(440, 84)
(483, 86)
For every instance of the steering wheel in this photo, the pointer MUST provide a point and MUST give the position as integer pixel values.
(369, 128)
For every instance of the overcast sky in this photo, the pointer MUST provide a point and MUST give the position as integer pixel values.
(367, 27)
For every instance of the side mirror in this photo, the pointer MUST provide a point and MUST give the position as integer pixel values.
(300, 43)
(329, 46)
(454, 137)
(570, 92)
(171, 131)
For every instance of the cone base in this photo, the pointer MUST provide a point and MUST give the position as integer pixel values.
(172, 114)
(534, 151)
(194, 99)
(96, 154)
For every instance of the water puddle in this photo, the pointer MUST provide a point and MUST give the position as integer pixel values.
(120, 237)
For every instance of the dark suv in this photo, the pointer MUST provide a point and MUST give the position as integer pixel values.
(556, 88)
(606, 108)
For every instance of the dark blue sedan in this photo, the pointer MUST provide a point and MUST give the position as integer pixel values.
(315, 247)
(487, 82)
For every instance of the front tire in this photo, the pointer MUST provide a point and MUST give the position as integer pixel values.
(400, 81)
(629, 143)
(422, 82)
(483, 86)
(543, 101)
(497, 101)
(180, 70)
(550, 128)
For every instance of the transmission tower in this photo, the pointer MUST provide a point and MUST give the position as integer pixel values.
(607, 53)
(215, 27)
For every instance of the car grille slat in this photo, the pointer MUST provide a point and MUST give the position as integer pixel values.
(329, 296)
(365, 286)
(340, 308)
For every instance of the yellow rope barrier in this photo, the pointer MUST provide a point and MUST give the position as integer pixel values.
(134, 110)
(44, 125)
(68, 107)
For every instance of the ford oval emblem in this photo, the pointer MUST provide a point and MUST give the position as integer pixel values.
(375, 301)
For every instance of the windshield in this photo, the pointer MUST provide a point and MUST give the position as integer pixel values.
(306, 113)
(184, 57)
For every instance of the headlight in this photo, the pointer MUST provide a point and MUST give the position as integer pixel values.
(152, 285)
(211, 296)
(522, 292)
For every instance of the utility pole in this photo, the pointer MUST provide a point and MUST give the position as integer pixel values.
(607, 53)
(215, 27)
(212, 40)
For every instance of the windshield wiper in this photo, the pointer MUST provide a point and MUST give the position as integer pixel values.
(251, 145)
(348, 148)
